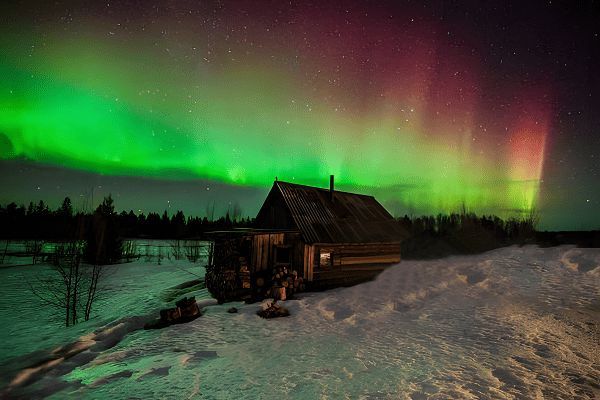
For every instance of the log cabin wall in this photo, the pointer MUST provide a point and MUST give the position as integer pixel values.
(340, 262)
(264, 250)
(263, 247)
(364, 254)
(297, 245)
(309, 261)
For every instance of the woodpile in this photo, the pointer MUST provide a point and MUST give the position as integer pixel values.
(286, 284)
(244, 273)
(169, 315)
(188, 307)
(185, 310)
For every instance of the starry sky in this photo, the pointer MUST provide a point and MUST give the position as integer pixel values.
(428, 105)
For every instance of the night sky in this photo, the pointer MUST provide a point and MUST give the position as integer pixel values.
(426, 105)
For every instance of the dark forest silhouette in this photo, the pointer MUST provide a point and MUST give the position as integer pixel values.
(38, 221)
(464, 233)
(426, 236)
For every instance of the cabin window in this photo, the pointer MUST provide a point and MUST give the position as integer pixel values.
(325, 259)
(283, 255)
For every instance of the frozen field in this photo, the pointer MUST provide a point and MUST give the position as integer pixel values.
(513, 323)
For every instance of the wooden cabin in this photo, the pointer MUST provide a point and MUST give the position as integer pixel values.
(331, 238)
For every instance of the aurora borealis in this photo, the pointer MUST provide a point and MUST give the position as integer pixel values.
(428, 106)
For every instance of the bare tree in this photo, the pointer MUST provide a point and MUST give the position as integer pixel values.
(94, 274)
(75, 286)
(34, 247)
(130, 250)
(103, 246)
(192, 250)
(62, 291)
(176, 250)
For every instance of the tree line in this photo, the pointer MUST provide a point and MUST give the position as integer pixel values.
(464, 233)
(38, 221)
(443, 224)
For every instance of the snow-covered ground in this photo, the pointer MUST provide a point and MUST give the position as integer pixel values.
(511, 323)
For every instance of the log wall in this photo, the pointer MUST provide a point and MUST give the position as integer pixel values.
(264, 250)
(350, 263)
(309, 261)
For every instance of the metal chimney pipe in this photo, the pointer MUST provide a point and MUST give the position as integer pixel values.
(331, 187)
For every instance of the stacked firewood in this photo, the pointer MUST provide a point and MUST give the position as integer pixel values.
(286, 283)
(188, 307)
(244, 274)
(220, 282)
(185, 310)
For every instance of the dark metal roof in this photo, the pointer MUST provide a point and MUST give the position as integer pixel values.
(349, 218)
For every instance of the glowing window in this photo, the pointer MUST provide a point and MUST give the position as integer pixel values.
(325, 259)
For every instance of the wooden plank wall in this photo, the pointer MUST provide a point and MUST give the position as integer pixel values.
(305, 258)
(263, 250)
(371, 253)
(353, 259)
(298, 252)
(309, 261)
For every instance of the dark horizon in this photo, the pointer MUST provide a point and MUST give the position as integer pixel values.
(192, 196)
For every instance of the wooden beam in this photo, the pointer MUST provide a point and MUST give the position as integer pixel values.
(381, 259)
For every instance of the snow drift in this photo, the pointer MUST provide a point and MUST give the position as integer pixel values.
(511, 323)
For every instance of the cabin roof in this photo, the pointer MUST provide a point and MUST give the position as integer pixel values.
(349, 218)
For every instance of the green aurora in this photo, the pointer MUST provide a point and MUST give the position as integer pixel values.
(108, 110)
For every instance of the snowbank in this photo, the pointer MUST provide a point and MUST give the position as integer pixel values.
(511, 323)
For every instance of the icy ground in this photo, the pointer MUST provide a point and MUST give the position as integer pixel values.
(511, 323)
